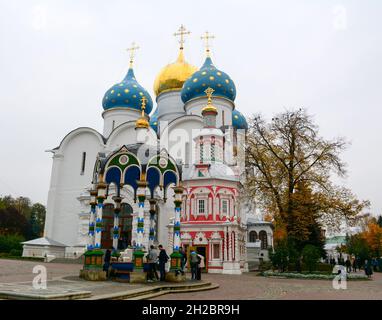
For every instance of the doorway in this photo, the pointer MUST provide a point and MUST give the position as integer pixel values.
(125, 226)
(199, 249)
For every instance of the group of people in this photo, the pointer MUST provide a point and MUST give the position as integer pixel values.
(355, 263)
(157, 260)
(154, 259)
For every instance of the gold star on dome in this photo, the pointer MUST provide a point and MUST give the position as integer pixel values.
(181, 32)
(132, 50)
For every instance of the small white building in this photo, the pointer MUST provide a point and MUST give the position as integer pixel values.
(42, 247)
(259, 241)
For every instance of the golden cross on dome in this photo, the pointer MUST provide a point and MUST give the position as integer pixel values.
(142, 121)
(132, 50)
(206, 37)
(143, 105)
(209, 91)
(181, 32)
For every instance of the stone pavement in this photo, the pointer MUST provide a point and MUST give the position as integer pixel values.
(17, 275)
(249, 286)
(16, 278)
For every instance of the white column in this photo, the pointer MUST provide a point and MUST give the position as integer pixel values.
(91, 226)
(152, 222)
(237, 246)
(98, 226)
(178, 206)
(225, 251)
(229, 245)
(140, 224)
(115, 231)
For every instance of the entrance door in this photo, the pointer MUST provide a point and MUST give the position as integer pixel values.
(203, 251)
(108, 223)
(125, 226)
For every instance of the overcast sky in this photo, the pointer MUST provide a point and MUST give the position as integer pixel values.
(57, 59)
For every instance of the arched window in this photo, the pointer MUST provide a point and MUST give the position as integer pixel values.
(263, 238)
(252, 236)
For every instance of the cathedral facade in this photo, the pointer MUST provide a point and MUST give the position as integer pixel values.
(172, 176)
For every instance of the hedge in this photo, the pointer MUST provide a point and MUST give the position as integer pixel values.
(10, 242)
(311, 276)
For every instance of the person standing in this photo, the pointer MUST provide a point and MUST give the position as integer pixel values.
(183, 259)
(106, 264)
(354, 265)
(163, 258)
(368, 268)
(201, 265)
(152, 258)
(194, 265)
(348, 265)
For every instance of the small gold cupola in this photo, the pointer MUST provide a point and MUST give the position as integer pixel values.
(142, 122)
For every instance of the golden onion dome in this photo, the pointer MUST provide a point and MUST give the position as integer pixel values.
(172, 76)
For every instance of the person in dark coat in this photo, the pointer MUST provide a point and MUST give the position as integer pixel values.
(163, 258)
(106, 260)
(368, 268)
(348, 265)
(355, 265)
(183, 260)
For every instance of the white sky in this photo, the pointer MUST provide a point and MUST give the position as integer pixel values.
(57, 59)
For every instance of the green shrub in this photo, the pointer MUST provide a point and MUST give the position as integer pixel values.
(265, 265)
(310, 257)
(10, 242)
(311, 276)
(322, 267)
(280, 256)
(15, 253)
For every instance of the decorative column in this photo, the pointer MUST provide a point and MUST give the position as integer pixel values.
(229, 244)
(176, 256)
(93, 204)
(138, 252)
(117, 210)
(93, 256)
(153, 203)
(101, 188)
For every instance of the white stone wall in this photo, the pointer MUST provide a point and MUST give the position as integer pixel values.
(170, 106)
(195, 107)
(116, 116)
(67, 183)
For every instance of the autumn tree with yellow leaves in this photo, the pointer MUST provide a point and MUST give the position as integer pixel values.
(289, 174)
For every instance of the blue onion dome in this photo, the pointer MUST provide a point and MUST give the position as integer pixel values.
(127, 94)
(208, 76)
(238, 120)
(154, 120)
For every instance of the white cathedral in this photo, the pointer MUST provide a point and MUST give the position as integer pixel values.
(173, 176)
